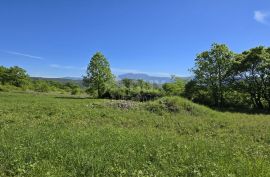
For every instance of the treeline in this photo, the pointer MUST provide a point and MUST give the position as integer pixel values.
(16, 78)
(223, 78)
(102, 84)
(139, 90)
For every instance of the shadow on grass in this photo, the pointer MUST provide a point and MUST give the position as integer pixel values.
(243, 110)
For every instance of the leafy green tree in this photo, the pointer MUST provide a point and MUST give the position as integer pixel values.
(252, 75)
(3, 72)
(98, 74)
(14, 76)
(212, 71)
(143, 84)
(176, 87)
(267, 78)
(128, 83)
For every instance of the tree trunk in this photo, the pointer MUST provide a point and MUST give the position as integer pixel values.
(99, 91)
(220, 91)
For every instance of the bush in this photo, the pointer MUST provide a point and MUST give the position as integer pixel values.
(175, 105)
(8, 88)
(147, 95)
(155, 107)
(236, 99)
(115, 93)
(121, 93)
(75, 91)
(175, 88)
(41, 86)
(167, 104)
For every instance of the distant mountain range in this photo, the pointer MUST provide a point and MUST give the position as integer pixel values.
(145, 77)
(151, 79)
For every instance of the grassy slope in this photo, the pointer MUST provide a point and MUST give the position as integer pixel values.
(48, 136)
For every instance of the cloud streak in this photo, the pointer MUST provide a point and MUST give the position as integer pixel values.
(66, 67)
(22, 54)
(261, 17)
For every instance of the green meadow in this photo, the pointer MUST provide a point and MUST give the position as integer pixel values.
(54, 135)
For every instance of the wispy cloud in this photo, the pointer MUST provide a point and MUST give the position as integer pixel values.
(22, 54)
(66, 67)
(261, 16)
(122, 71)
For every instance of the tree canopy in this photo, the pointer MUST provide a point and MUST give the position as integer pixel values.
(212, 71)
(222, 77)
(98, 74)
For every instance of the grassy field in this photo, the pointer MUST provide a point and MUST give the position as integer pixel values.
(46, 135)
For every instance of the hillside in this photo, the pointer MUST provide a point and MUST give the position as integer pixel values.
(50, 135)
(74, 80)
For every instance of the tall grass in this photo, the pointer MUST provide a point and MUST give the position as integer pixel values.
(43, 135)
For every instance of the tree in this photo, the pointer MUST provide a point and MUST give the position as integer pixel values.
(14, 76)
(128, 83)
(267, 78)
(212, 71)
(176, 87)
(98, 74)
(252, 75)
(3, 72)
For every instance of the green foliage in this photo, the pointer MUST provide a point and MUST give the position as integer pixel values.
(41, 86)
(98, 75)
(10, 88)
(75, 91)
(224, 79)
(54, 86)
(43, 135)
(16, 79)
(176, 105)
(137, 90)
(13, 76)
(121, 93)
(175, 88)
(212, 71)
(252, 75)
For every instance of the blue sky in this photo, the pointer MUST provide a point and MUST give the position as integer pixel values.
(56, 38)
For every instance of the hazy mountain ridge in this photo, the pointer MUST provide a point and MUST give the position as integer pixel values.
(145, 77)
(148, 78)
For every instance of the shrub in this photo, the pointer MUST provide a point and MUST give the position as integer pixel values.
(175, 105)
(170, 104)
(175, 88)
(75, 91)
(41, 86)
(8, 87)
(155, 107)
(121, 93)
(167, 104)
